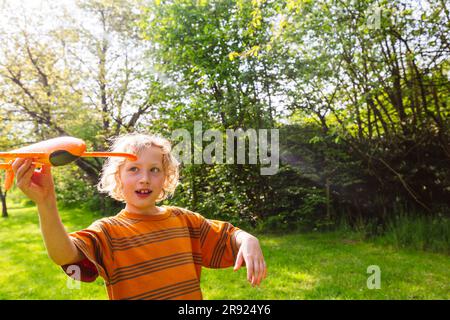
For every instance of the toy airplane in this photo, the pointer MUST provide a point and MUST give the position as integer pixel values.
(55, 152)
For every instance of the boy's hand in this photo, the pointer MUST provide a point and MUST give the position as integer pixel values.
(36, 185)
(251, 252)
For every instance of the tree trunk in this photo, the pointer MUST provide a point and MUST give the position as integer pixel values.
(3, 199)
(328, 198)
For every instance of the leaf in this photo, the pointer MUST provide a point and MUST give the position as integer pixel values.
(233, 55)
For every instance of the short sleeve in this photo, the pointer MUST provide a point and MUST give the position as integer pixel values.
(218, 243)
(93, 242)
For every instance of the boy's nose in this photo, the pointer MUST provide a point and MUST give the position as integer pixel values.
(145, 179)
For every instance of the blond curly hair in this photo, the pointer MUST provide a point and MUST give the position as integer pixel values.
(135, 143)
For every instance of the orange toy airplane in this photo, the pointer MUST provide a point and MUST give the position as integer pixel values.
(55, 152)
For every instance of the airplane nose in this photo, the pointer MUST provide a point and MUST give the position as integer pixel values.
(72, 145)
(68, 149)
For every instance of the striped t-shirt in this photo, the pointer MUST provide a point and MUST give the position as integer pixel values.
(155, 256)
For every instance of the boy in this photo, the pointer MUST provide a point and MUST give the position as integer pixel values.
(145, 251)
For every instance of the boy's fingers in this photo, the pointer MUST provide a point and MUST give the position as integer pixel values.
(238, 261)
(16, 164)
(46, 169)
(22, 169)
(263, 271)
(255, 273)
(250, 272)
(24, 175)
(29, 172)
(258, 272)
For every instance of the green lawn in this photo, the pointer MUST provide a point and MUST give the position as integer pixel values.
(300, 266)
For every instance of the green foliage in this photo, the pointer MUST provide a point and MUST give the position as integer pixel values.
(71, 187)
(359, 91)
(300, 206)
(361, 73)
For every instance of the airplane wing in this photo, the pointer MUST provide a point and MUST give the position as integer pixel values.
(5, 166)
(13, 155)
(130, 156)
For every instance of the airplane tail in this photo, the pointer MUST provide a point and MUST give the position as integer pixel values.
(9, 175)
(5, 166)
(9, 180)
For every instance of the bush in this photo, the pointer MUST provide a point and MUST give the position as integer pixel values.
(419, 232)
(72, 188)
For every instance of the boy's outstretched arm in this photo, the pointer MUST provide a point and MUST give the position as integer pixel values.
(250, 252)
(39, 187)
(60, 247)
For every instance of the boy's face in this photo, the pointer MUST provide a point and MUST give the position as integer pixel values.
(142, 180)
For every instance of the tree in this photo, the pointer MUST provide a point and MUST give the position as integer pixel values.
(77, 79)
(373, 75)
(208, 50)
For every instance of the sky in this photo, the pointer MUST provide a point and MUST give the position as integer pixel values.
(19, 9)
(44, 12)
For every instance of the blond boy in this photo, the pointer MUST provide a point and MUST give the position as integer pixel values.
(145, 251)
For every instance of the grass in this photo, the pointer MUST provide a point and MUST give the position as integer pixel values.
(27, 271)
(300, 266)
(419, 232)
(414, 230)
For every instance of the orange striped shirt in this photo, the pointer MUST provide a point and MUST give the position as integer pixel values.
(155, 256)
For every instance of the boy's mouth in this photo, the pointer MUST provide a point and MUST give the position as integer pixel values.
(143, 193)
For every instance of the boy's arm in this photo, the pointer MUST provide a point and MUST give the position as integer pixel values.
(59, 246)
(39, 187)
(250, 252)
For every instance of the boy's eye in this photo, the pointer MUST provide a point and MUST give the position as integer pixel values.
(152, 170)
